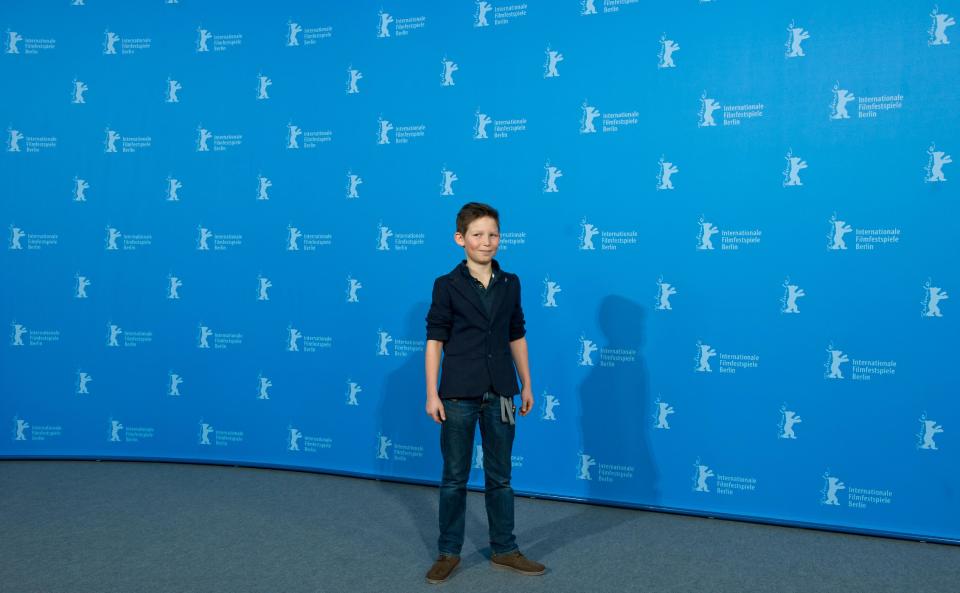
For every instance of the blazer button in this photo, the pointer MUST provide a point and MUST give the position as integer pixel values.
(489, 355)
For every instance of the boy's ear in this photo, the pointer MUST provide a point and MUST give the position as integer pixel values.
(459, 239)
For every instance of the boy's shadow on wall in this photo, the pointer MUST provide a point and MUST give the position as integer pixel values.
(616, 412)
(616, 416)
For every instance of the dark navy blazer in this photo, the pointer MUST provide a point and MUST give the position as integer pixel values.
(476, 347)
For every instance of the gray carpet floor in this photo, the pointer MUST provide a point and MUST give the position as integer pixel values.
(104, 527)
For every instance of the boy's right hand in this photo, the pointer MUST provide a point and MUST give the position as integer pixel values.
(435, 409)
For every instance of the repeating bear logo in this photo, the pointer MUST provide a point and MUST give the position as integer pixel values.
(667, 49)
(795, 36)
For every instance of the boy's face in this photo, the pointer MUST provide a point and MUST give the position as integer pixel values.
(481, 240)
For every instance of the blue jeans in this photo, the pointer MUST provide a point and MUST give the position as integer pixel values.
(456, 445)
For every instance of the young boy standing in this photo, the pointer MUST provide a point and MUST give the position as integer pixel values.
(476, 321)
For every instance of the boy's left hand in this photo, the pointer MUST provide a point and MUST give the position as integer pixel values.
(526, 397)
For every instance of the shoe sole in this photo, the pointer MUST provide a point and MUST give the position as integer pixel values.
(437, 582)
(517, 570)
(443, 580)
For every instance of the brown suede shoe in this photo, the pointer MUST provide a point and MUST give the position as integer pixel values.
(441, 569)
(517, 562)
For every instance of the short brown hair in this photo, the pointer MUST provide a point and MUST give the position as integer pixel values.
(472, 211)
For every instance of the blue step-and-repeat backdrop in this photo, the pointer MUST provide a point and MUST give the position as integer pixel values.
(735, 224)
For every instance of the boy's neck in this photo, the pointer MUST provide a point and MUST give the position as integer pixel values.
(481, 271)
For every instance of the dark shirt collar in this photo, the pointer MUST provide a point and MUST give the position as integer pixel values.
(495, 268)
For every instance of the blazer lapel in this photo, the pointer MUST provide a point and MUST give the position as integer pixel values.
(468, 292)
(498, 294)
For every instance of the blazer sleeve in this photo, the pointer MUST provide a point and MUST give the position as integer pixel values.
(517, 323)
(440, 315)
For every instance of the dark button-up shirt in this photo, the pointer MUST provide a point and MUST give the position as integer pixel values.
(484, 292)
